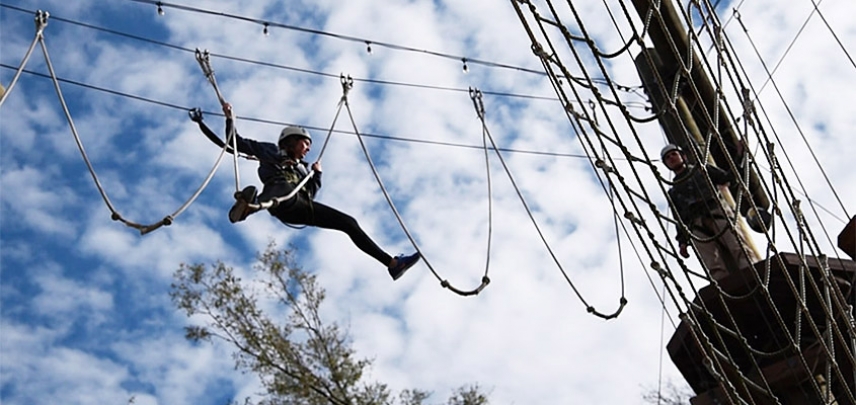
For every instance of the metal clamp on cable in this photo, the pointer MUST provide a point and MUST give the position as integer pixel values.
(41, 20)
(347, 84)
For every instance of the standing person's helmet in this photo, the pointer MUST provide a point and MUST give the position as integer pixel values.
(293, 130)
(668, 148)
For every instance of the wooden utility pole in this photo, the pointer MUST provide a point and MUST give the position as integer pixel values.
(674, 63)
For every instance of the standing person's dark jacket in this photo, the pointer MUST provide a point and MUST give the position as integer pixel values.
(692, 197)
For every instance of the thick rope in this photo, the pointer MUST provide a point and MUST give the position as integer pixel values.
(347, 83)
(144, 229)
(476, 97)
(549, 56)
(41, 21)
(204, 60)
(444, 283)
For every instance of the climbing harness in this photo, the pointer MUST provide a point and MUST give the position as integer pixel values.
(203, 57)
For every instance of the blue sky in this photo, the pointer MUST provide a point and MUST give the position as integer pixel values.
(86, 315)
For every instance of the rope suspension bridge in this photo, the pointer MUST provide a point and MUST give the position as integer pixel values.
(780, 334)
(784, 332)
(203, 58)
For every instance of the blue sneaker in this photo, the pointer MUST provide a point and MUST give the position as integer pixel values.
(241, 210)
(402, 263)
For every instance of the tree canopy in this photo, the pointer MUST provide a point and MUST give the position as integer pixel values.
(304, 359)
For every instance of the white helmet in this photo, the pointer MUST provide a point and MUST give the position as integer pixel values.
(668, 148)
(293, 130)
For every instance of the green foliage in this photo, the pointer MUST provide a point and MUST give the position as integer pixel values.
(413, 397)
(301, 361)
(470, 395)
(670, 394)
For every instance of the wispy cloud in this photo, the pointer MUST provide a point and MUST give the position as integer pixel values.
(72, 276)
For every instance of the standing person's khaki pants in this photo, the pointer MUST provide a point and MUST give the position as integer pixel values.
(723, 254)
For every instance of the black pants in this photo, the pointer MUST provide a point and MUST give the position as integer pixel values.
(302, 211)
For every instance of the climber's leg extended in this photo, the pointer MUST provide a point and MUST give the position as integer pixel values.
(304, 212)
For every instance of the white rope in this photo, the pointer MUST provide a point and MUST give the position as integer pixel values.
(444, 283)
(204, 59)
(144, 229)
(347, 84)
(41, 22)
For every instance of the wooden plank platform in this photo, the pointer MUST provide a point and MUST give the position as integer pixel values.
(847, 239)
(766, 324)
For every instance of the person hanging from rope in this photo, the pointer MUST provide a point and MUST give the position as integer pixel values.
(281, 168)
(719, 247)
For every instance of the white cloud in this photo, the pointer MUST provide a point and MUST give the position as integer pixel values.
(42, 370)
(527, 337)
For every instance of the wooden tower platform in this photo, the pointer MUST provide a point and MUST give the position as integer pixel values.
(780, 342)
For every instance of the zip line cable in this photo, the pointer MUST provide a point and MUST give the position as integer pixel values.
(834, 34)
(770, 79)
(629, 89)
(369, 42)
(102, 89)
(790, 46)
(274, 65)
(815, 10)
(282, 123)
